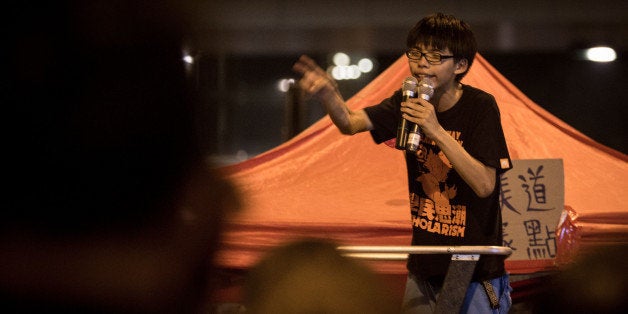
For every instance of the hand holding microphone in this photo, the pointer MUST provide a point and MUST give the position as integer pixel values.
(426, 91)
(408, 90)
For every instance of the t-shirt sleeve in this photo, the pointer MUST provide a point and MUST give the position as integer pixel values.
(487, 142)
(384, 117)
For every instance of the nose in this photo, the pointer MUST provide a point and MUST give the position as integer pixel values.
(423, 61)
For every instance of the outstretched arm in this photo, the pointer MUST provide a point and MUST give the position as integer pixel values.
(315, 82)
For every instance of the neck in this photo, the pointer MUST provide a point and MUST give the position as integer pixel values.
(446, 98)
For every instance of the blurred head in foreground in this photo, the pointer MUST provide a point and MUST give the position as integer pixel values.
(110, 207)
(311, 276)
(595, 282)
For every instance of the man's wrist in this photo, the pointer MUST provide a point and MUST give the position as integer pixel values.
(327, 93)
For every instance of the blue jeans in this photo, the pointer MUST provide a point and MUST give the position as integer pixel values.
(420, 297)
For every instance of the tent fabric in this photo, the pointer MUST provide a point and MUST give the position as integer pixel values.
(347, 189)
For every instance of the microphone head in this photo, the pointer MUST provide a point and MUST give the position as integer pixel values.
(426, 88)
(409, 84)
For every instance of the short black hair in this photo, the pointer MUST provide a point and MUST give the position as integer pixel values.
(444, 31)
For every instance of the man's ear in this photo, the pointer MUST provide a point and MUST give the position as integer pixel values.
(461, 66)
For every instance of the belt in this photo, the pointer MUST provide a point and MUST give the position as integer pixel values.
(490, 291)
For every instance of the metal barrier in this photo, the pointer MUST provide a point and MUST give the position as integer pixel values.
(459, 273)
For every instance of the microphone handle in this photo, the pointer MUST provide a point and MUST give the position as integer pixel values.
(414, 137)
(414, 133)
(404, 126)
(402, 134)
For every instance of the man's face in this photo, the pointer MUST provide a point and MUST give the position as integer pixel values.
(442, 73)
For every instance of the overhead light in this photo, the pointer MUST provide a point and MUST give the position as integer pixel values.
(344, 70)
(365, 65)
(600, 54)
(188, 59)
(284, 85)
(341, 59)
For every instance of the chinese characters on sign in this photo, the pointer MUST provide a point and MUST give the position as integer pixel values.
(532, 199)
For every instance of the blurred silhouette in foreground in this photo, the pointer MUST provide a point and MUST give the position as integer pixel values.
(110, 206)
(311, 276)
(595, 282)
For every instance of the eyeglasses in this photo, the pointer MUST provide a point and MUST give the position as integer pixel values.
(431, 57)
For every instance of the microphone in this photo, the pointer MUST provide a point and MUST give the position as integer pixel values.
(426, 91)
(408, 90)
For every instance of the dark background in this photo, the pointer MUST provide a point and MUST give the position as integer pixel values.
(243, 49)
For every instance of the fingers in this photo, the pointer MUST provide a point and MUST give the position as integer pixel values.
(417, 104)
(313, 77)
(411, 105)
(307, 61)
(311, 83)
(416, 109)
(315, 86)
(306, 65)
(300, 67)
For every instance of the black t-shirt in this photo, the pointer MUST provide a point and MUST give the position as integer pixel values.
(444, 209)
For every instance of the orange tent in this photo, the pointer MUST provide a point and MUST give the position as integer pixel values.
(345, 188)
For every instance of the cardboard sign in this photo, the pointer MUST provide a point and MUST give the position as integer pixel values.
(532, 197)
